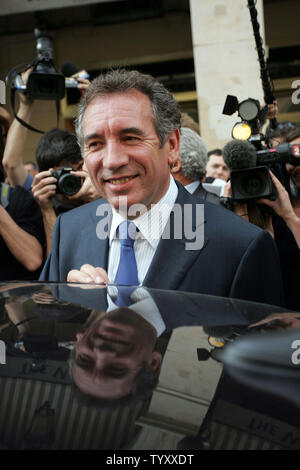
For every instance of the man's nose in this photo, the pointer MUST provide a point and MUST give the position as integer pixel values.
(115, 156)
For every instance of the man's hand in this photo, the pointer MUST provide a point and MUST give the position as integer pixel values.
(87, 192)
(272, 110)
(83, 83)
(283, 207)
(44, 188)
(282, 204)
(88, 274)
(16, 138)
(24, 99)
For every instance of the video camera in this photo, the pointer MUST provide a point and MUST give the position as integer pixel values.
(249, 160)
(44, 83)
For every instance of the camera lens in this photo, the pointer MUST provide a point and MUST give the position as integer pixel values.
(69, 184)
(253, 185)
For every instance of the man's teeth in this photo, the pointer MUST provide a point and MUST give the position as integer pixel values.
(120, 180)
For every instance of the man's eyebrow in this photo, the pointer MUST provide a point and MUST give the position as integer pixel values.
(132, 130)
(127, 130)
(92, 136)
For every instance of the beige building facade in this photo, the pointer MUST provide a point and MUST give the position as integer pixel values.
(201, 50)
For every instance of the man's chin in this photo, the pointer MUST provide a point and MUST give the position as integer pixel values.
(127, 207)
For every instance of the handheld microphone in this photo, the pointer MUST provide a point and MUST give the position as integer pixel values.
(239, 154)
(70, 71)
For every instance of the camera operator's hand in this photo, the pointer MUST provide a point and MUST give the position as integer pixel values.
(44, 188)
(87, 192)
(83, 84)
(16, 138)
(282, 204)
(24, 99)
(283, 207)
(272, 110)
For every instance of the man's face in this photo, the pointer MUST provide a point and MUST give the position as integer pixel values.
(110, 354)
(294, 171)
(122, 150)
(76, 166)
(29, 167)
(217, 168)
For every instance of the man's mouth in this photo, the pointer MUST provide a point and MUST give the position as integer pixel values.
(122, 180)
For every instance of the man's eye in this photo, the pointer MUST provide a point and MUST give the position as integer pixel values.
(84, 361)
(93, 145)
(130, 138)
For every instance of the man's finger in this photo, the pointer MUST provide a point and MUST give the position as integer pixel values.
(77, 276)
(99, 275)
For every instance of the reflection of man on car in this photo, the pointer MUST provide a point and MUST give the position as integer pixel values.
(115, 356)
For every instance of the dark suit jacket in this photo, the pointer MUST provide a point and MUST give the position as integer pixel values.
(237, 259)
(206, 195)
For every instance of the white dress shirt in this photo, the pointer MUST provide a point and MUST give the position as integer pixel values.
(151, 225)
(142, 304)
(191, 188)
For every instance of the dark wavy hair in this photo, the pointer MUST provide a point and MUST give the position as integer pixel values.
(54, 147)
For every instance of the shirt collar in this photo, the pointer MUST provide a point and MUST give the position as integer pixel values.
(191, 188)
(151, 224)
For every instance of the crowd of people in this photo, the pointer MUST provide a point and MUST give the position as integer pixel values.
(133, 142)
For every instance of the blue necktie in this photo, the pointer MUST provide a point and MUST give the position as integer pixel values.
(127, 270)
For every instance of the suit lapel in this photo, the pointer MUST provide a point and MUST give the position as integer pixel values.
(172, 259)
(102, 218)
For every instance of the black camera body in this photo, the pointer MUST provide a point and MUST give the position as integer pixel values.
(44, 83)
(67, 183)
(255, 182)
(252, 183)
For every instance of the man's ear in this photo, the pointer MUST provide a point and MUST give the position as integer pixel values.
(79, 336)
(156, 360)
(174, 146)
(176, 166)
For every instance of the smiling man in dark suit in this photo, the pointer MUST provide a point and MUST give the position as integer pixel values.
(129, 127)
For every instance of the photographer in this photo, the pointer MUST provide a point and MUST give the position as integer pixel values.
(287, 232)
(56, 149)
(21, 226)
(282, 206)
(21, 235)
(283, 225)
